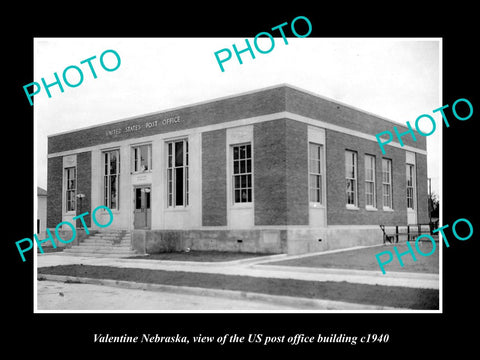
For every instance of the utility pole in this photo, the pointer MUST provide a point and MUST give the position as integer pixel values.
(430, 204)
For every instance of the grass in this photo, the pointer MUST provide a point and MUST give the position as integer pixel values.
(364, 259)
(394, 296)
(200, 256)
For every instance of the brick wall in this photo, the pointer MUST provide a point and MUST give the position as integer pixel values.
(84, 186)
(54, 190)
(297, 172)
(214, 185)
(422, 189)
(254, 104)
(312, 106)
(337, 213)
(280, 173)
(269, 167)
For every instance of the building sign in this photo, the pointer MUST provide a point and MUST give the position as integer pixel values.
(146, 125)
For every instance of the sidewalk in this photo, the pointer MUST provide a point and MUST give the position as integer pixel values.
(251, 267)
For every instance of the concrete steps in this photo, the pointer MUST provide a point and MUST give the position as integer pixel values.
(105, 243)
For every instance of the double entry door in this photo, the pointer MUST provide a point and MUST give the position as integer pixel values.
(142, 213)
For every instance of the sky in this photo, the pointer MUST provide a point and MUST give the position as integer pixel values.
(399, 79)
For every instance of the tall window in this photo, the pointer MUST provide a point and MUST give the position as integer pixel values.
(177, 173)
(370, 198)
(387, 183)
(410, 186)
(315, 172)
(242, 173)
(71, 188)
(351, 177)
(111, 178)
(142, 158)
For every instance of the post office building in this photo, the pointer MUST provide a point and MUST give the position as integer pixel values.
(277, 170)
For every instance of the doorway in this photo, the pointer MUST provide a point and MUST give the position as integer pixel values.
(142, 213)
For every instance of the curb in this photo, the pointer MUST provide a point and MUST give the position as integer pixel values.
(296, 303)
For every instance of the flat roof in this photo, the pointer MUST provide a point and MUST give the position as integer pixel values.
(249, 92)
(282, 100)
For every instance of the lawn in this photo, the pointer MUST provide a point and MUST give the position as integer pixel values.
(200, 256)
(364, 259)
(393, 296)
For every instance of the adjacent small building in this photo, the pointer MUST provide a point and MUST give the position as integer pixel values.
(274, 170)
(41, 211)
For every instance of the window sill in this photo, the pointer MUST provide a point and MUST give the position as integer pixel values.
(177, 208)
(370, 208)
(141, 172)
(315, 205)
(388, 209)
(242, 205)
(352, 207)
(102, 211)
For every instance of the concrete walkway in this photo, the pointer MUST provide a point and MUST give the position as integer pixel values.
(252, 267)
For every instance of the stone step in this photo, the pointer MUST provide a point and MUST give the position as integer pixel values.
(100, 252)
(108, 237)
(101, 247)
(90, 254)
(109, 243)
(103, 241)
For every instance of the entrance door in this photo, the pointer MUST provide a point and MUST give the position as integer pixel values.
(142, 213)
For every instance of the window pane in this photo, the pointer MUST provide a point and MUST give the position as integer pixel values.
(68, 200)
(243, 152)
(179, 153)
(236, 167)
(237, 196)
(170, 187)
(249, 165)
(186, 185)
(113, 162)
(249, 181)
(242, 166)
(237, 182)
(138, 198)
(105, 191)
(144, 157)
(169, 154)
(249, 151)
(105, 162)
(135, 159)
(147, 198)
(113, 191)
(370, 199)
(349, 185)
(179, 186)
(249, 195)
(235, 153)
(244, 195)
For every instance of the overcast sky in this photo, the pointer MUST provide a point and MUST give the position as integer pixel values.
(399, 79)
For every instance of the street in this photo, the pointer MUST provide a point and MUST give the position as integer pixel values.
(53, 295)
